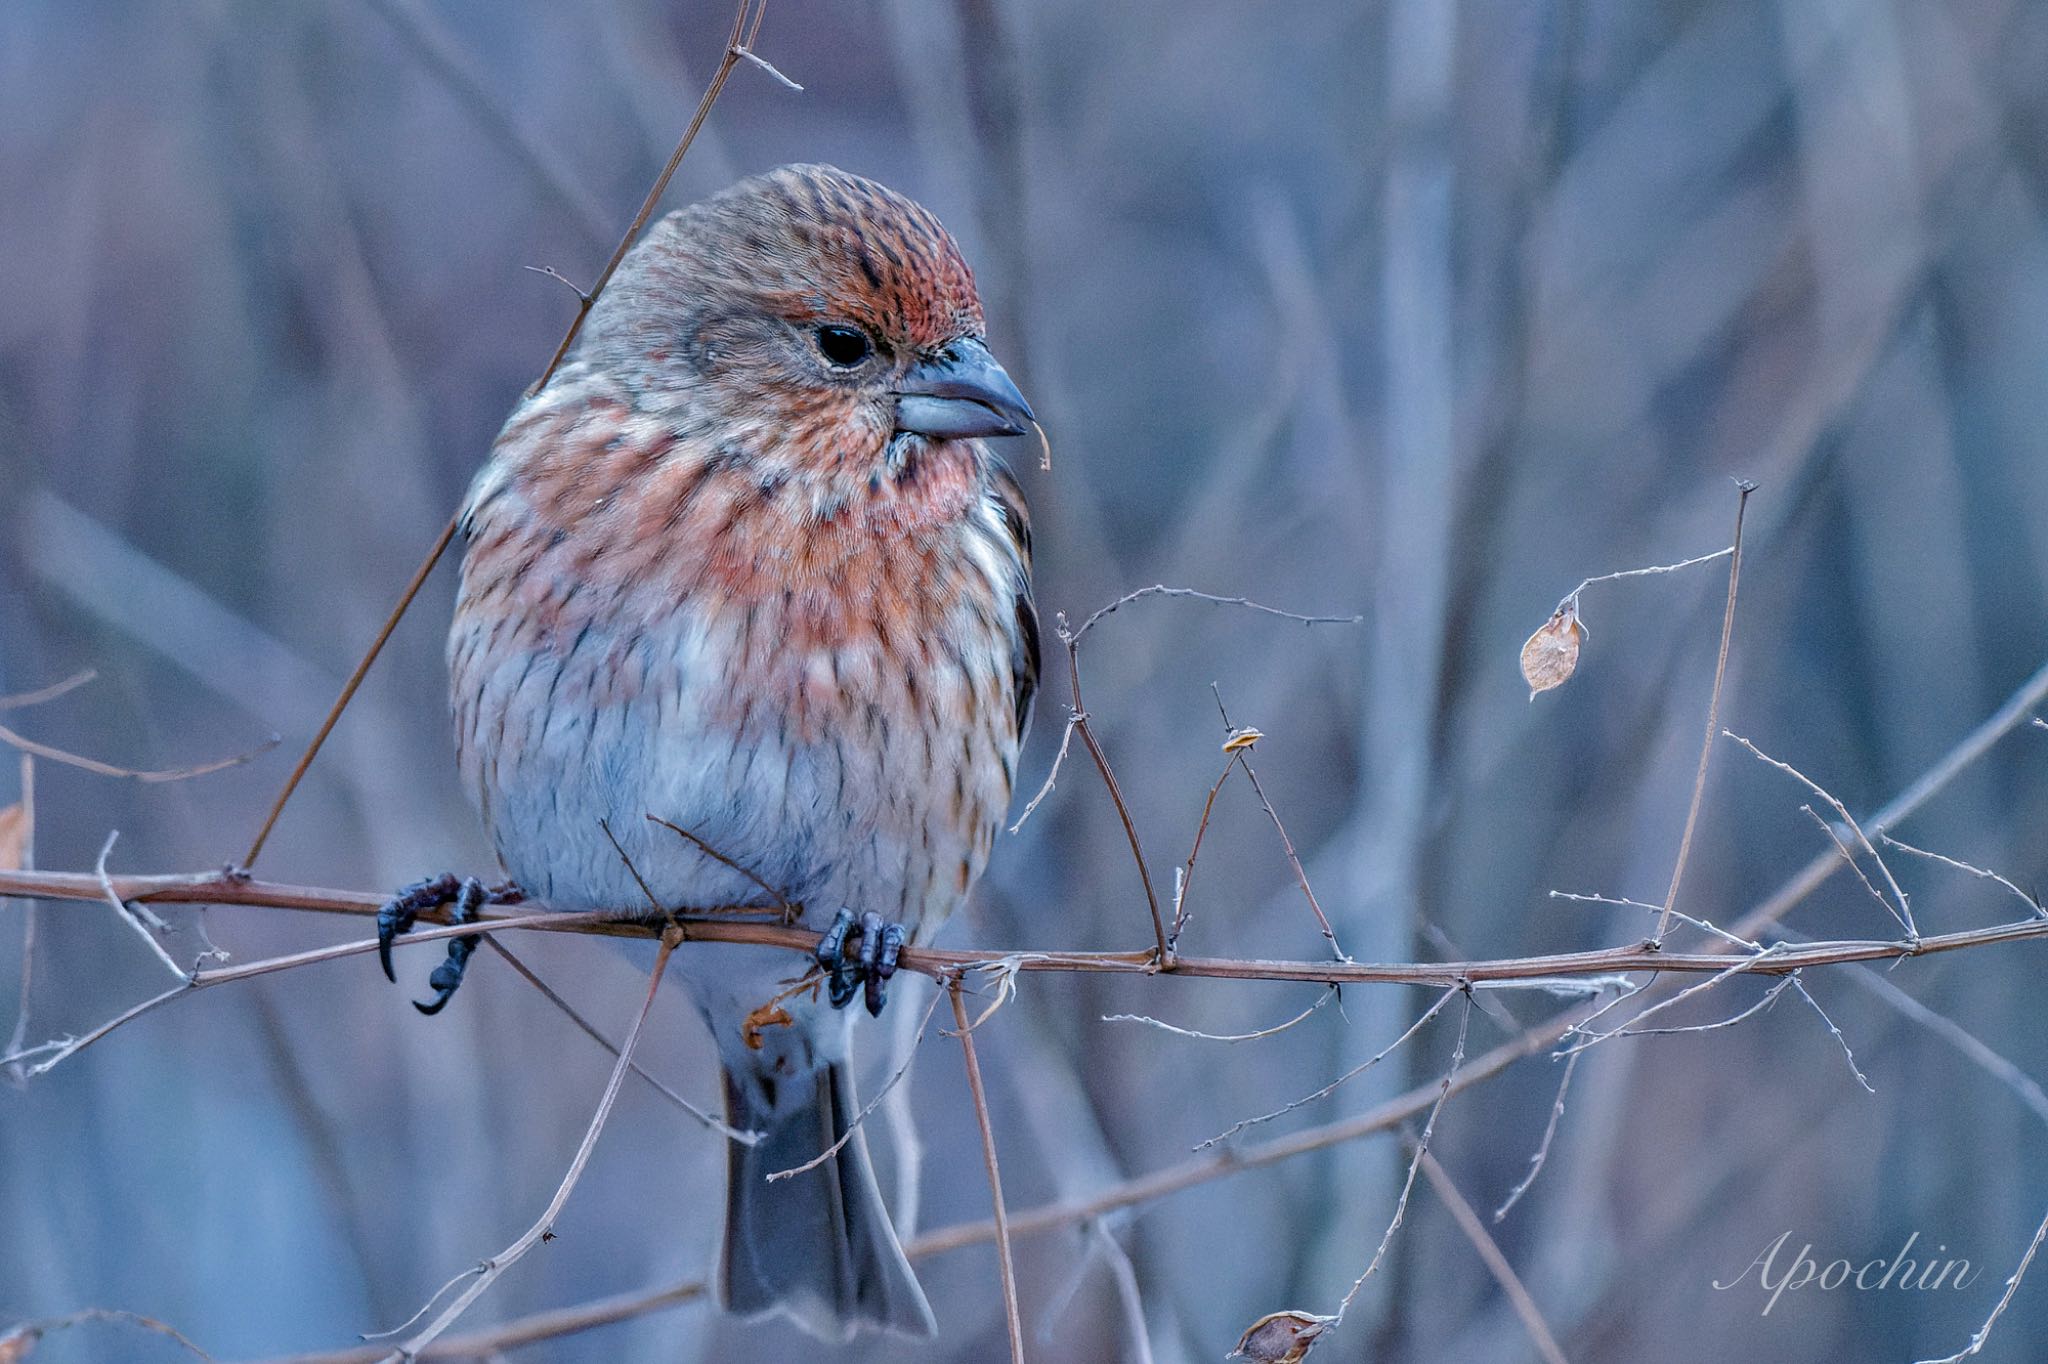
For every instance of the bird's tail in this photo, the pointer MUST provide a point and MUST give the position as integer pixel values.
(817, 1246)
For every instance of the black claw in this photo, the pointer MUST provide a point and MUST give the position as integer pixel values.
(831, 951)
(402, 911)
(891, 947)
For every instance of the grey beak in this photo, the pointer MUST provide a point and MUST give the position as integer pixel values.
(959, 394)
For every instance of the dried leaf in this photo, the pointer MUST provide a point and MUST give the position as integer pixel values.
(1241, 738)
(769, 1015)
(16, 1345)
(13, 850)
(1552, 654)
(1281, 1338)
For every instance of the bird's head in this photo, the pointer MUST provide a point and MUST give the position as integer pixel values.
(815, 311)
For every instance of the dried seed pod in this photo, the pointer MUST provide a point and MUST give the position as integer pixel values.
(1552, 654)
(1281, 1338)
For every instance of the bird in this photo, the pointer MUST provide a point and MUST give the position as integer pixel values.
(746, 619)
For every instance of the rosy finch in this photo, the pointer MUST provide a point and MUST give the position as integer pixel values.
(746, 565)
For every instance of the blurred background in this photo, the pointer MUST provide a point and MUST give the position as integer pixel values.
(1413, 309)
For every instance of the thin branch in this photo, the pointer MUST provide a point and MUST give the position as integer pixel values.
(1699, 781)
(129, 916)
(2012, 1286)
(1905, 909)
(1959, 865)
(489, 1271)
(17, 1341)
(1850, 857)
(58, 755)
(590, 1030)
(1496, 1263)
(1161, 590)
(995, 1175)
(1431, 1012)
(1116, 795)
(1542, 1156)
(1239, 743)
(1421, 1150)
(1127, 1296)
(1186, 875)
(49, 693)
(909, 1057)
(1861, 1079)
(781, 897)
(1327, 995)
(1569, 601)
(1059, 760)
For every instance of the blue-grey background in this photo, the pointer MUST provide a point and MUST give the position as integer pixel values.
(1419, 309)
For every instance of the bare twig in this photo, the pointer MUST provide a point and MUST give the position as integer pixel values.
(1239, 743)
(995, 1174)
(488, 1272)
(49, 693)
(590, 1030)
(17, 1341)
(58, 755)
(1162, 590)
(1569, 601)
(1796, 983)
(1905, 908)
(1496, 1263)
(1431, 1012)
(1542, 1156)
(1421, 1151)
(1959, 865)
(1127, 1296)
(781, 898)
(1828, 830)
(129, 916)
(1326, 996)
(1185, 877)
(910, 1056)
(2012, 1285)
(1072, 639)
(1699, 781)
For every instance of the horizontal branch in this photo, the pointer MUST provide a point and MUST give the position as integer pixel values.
(222, 888)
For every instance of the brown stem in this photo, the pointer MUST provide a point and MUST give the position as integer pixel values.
(995, 1173)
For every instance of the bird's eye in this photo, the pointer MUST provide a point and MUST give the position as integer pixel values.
(844, 346)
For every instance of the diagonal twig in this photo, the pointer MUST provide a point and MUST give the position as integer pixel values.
(1006, 1265)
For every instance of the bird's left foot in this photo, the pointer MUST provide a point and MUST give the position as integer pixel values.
(468, 896)
(881, 943)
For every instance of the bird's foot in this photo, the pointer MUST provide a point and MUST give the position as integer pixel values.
(468, 895)
(881, 943)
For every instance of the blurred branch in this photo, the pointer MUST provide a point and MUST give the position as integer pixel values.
(1128, 1193)
(1496, 1263)
(738, 45)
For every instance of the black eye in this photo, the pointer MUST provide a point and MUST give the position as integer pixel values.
(844, 346)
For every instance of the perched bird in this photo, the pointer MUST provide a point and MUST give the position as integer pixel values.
(746, 565)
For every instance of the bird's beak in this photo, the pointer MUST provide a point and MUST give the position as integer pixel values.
(959, 394)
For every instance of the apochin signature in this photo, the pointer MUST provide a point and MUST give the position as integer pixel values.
(1872, 1276)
